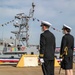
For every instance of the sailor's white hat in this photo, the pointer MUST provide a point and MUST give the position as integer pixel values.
(66, 26)
(45, 23)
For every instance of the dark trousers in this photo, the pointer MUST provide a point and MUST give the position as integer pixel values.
(48, 67)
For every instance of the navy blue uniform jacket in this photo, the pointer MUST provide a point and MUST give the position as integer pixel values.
(47, 45)
(67, 41)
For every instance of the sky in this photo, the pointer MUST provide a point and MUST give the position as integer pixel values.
(57, 12)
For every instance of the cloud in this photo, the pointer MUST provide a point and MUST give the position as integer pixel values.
(16, 3)
(57, 12)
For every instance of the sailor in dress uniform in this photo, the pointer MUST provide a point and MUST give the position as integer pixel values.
(67, 41)
(47, 49)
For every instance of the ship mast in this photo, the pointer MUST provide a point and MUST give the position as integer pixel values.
(22, 35)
